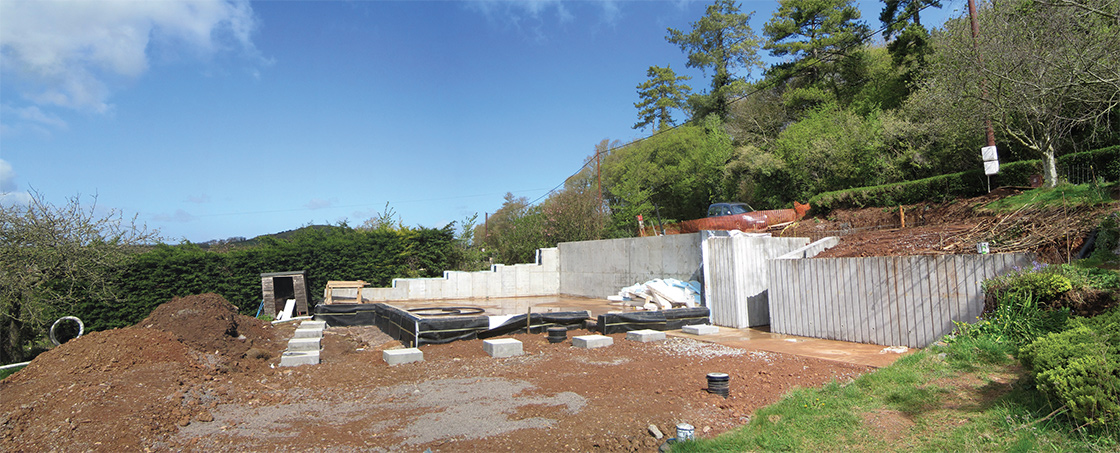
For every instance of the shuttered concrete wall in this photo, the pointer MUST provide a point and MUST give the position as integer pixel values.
(735, 277)
(601, 268)
(893, 301)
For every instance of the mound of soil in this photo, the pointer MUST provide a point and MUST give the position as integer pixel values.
(211, 325)
(119, 388)
(124, 388)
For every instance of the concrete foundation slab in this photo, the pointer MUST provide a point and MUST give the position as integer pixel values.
(645, 336)
(296, 358)
(702, 329)
(303, 344)
(399, 356)
(308, 333)
(592, 341)
(502, 347)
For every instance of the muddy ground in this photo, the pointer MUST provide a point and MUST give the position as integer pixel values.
(195, 376)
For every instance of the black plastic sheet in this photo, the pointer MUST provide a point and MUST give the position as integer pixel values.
(671, 319)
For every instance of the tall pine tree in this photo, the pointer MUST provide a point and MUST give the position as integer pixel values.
(663, 92)
(722, 41)
(817, 36)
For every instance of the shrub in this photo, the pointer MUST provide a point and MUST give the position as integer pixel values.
(1081, 367)
(961, 185)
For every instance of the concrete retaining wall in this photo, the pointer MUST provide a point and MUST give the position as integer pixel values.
(892, 301)
(519, 280)
(601, 268)
(735, 279)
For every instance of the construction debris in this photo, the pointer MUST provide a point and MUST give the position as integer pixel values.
(660, 294)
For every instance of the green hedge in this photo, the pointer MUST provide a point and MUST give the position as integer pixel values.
(341, 253)
(1105, 161)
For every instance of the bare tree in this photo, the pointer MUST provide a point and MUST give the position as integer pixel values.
(1051, 67)
(52, 257)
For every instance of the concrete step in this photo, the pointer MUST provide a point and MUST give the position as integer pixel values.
(303, 344)
(296, 358)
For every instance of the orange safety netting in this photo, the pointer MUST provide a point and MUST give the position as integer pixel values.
(751, 221)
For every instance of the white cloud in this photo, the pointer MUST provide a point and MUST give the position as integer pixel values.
(65, 51)
(319, 203)
(180, 216)
(7, 177)
(200, 199)
(10, 195)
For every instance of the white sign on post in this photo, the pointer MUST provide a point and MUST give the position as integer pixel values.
(991, 160)
(989, 153)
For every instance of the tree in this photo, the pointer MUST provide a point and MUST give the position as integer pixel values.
(818, 36)
(514, 232)
(52, 258)
(662, 93)
(1051, 68)
(902, 21)
(676, 173)
(722, 41)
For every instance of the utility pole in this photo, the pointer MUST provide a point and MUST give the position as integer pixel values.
(990, 157)
(979, 59)
(599, 177)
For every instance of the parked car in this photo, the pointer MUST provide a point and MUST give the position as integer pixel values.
(722, 209)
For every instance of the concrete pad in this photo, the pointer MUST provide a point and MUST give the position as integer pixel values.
(399, 356)
(293, 358)
(303, 344)
(502, 347)
(645, 336)
(592, 341)
(308, 333)
(309, 324)
(700, 329)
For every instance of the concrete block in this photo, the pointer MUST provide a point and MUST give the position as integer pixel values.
(313, 325)
(700, 329)
(645, 336)
(296, 358)
(502, 347)
(592, 341)
(399, 356)
(303, 344)
(308, 333)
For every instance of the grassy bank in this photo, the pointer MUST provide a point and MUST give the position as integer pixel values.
(968, 396)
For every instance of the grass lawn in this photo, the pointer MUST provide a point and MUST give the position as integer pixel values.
(961, 397)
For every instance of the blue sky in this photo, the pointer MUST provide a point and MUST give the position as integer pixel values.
(209, 119)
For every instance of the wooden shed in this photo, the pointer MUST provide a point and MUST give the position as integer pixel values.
(278, 287)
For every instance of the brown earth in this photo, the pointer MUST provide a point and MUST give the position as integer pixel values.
(954, 227)
(185, 379)
(197, 376)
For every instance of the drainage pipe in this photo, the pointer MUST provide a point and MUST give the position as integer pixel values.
(81, 328)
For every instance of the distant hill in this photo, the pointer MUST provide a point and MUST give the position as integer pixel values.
(237, 241)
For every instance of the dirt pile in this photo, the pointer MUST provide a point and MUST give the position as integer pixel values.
(954, 228)
(122, 389)
(211, 325)
(117, 388)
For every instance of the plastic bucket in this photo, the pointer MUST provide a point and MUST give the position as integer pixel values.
(685, 432)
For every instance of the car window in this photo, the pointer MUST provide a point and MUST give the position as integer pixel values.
(739, 209)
